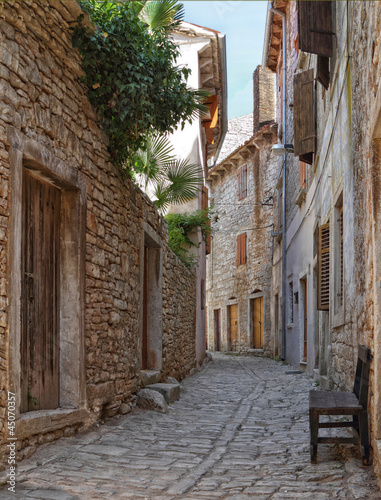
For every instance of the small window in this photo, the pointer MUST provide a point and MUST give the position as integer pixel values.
(290, 303)
(242, 182)
(303, 175)
(241, 249)
(324, 268)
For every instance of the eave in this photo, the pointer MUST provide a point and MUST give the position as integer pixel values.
(273, 36)
(264, 137)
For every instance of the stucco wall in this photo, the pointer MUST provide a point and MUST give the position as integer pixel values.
(45, 110)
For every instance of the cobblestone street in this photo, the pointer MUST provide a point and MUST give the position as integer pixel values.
(239, 431)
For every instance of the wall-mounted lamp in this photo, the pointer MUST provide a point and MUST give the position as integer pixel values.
(281, 149)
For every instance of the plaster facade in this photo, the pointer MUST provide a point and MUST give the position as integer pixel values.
(203, 51)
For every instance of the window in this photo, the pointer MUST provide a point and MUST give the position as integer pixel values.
(324, 267)
(303, 175)
(241, 249)
(339, 257)
(242, 182)
(290, 303)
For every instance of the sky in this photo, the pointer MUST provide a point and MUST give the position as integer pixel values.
(243, 23)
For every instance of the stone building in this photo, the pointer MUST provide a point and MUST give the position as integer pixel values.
(240, 263)
(326, 279)
(93, 302)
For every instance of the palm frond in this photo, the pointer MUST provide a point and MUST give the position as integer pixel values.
(199, 97)
(149, 161)
(161, 194)
(184, 181)
(165, 14)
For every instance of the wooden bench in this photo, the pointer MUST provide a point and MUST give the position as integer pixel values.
(344, 403)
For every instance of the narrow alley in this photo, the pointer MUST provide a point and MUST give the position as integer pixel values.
(239, 430)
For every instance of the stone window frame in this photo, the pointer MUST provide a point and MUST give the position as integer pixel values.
(338, 271)
(303, 277)
(290, 304)
(28, 153)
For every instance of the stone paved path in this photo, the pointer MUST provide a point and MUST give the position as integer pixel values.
(239, 431)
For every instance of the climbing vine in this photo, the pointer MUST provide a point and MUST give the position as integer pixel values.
(179, 227)
(132, 78)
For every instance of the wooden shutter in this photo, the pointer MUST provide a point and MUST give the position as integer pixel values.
(210, 123)
(241, 249)
(304, 116)
(324, 265)
(315, 27)
(244, 181)
(204, 205)
(239, 184)
(323, 71)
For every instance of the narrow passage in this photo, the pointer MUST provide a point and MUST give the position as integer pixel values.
(239, 431)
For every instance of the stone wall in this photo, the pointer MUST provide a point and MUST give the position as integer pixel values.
(366, 113)
(48, 125)
(229, 283)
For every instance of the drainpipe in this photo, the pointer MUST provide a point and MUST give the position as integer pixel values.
(284, 266)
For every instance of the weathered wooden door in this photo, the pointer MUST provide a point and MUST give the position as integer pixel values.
(145, 312)
(217, 329)
(40, 295)
(233, 327)
(258, 323)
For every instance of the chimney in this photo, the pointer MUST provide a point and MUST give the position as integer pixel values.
(264, 97)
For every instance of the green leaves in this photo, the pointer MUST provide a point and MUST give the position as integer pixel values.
(179, 227)
(171, 180)
(165, 14)
(131, 73)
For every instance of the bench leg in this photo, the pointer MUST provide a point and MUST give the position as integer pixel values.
(364, 438)
(314, 430)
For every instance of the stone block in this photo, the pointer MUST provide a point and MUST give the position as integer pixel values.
(171, 392)
(148, 377)
(152, 400)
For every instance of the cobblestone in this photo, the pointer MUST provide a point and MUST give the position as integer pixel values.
(239, 431)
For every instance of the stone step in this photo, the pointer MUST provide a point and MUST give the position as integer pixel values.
(171, 392)
(149, 377)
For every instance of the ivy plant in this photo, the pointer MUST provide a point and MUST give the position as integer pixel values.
(179, 227)
(131, 75)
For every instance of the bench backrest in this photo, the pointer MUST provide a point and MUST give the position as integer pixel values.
(361, 384)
